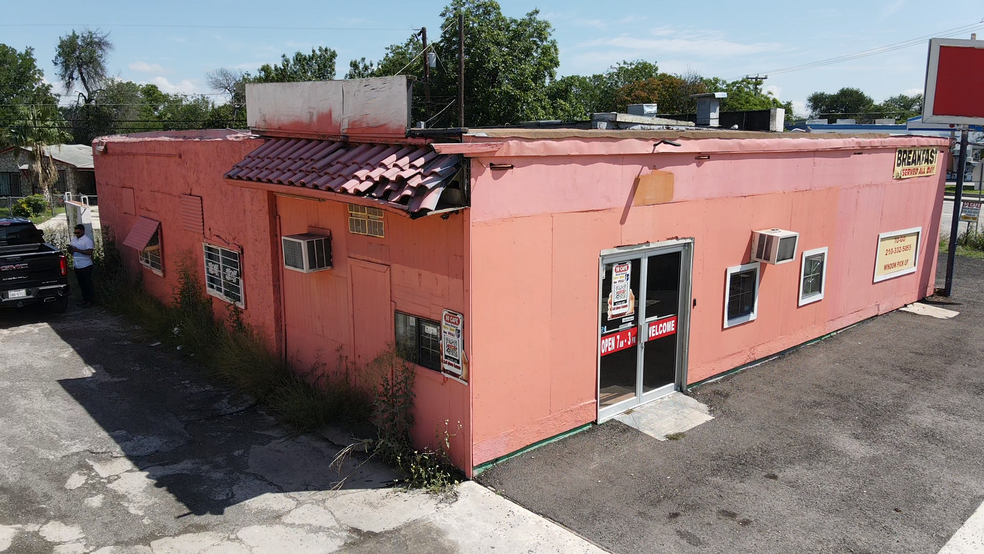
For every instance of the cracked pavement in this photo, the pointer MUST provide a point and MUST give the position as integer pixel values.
(109, 445)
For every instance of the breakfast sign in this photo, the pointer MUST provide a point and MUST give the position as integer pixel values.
(915, 162)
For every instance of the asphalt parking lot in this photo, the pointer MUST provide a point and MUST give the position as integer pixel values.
(868, 441)
(112, 445)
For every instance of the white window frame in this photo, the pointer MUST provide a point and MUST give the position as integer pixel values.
(211, 289)
(145, 257)
(757, 267)
(823, 276)
(366, 220)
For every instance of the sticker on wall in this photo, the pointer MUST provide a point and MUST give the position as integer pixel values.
(897, 254)
(451, 342)
(915, 162)
(621, 301)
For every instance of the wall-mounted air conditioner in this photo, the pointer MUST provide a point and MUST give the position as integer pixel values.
(774, 246)
(308, 252)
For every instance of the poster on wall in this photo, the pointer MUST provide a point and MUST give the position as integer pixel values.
(915, 162)
(621, 301)
(897, 254)
(451, 342)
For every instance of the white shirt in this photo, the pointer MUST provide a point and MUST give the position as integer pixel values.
(82, 243)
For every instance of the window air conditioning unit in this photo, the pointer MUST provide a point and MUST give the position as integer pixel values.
(774, 246)
(307, 253)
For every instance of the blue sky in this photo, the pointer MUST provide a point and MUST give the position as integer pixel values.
(173, 44)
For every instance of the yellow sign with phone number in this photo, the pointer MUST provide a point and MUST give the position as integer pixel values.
(897, 254)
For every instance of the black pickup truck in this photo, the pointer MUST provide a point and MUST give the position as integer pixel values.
(30, 271)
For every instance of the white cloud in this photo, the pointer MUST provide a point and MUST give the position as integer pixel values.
(773, 90)
(186, 86)
(704, 46)
(799, 108)
(912, 91)
(145, 67)
(889, 10)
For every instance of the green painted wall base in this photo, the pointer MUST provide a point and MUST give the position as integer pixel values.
(480, 468)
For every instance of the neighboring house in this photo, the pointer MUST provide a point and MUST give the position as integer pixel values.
(75, 170)
(539, 279)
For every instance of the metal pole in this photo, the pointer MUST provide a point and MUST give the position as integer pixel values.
(427, 89)
(951, 254)
(461, 70)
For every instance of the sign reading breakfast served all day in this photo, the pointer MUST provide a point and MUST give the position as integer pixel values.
(915, 162)
(897, 253)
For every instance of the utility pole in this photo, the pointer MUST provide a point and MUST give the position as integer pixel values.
(951, 253)
(461, 69)
(427, 89)
(757, 80)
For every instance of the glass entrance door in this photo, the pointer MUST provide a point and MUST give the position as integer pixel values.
(645, 312)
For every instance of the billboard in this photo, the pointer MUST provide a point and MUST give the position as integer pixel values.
(954, 79)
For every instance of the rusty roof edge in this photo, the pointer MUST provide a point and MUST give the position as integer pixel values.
(357, 139)
(320, 195)
(467, 149)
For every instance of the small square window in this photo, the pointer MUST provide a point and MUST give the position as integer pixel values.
(741, 294)
(150, 256)
(223, 274)
(366, 220)
(418, 340)
(813, 276)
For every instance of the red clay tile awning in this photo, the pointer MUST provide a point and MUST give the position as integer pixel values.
(143, 230)
(412, 178)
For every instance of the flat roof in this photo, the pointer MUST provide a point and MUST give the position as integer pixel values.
(526, 133)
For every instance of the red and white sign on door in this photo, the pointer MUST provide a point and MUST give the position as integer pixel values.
(661, 328)
(619, 341)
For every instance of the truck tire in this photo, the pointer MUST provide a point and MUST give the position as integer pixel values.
(58, 306)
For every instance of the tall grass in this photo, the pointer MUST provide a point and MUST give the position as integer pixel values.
(231, 352)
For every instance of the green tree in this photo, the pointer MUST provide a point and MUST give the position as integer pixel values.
(233, 85)
(846, 103)
(672, 93)
(21, 85)
(34, 131)
(360, 69)
(81, 60)
(508, 64)
(901, 107)
(317, 66)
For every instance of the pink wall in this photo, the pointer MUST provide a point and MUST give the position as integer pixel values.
(155, 169)
(538, 229)
(346, 313)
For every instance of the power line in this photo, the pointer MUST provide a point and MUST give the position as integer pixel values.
(874, 51)
(167, 26)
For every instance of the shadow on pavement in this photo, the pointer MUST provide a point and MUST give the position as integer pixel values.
(207, 447)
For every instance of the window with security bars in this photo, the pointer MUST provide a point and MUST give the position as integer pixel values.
(813, 275)
(9, 184)
(365, 220)
(223, 274)
(418, 340)
(150, 256)
(741, 295)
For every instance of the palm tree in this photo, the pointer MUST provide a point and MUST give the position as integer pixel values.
(37, 127)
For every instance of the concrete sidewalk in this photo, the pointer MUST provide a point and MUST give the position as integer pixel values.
(869, 441)
(112, 445)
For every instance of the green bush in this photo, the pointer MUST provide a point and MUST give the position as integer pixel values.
(30, 206)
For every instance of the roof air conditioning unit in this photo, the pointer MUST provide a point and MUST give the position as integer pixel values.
(308, 252)
(774, 246)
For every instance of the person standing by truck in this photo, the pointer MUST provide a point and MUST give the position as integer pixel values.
(81, 250)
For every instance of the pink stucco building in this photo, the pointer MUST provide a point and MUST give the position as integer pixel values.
(540, 280)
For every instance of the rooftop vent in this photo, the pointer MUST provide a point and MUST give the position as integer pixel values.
(709, 108)
(641, 109)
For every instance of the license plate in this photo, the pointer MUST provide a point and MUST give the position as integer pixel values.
(19, 293)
